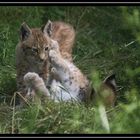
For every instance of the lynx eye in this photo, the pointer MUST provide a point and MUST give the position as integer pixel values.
(46, 48)
(35, 50)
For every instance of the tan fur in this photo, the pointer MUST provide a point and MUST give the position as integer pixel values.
(64, 34)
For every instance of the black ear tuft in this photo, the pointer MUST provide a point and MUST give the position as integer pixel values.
(47, 29)
(25, 31)
(111, 81)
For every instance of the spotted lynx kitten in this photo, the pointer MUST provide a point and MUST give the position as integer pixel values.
(33, 46)
(68, 83)
(45, 66)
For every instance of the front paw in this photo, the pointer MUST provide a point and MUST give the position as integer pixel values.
(30, 77)
(54, 44)
(53, 55)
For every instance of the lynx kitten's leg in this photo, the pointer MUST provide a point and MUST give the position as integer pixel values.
(55, 57)
(36, 83)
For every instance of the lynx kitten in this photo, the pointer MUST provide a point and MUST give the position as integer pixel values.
(32, 49)
(68, 83)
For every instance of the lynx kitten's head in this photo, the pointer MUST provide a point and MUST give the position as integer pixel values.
(35, 42)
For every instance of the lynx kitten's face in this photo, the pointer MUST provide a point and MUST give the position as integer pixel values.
(35, 44)
(36, 47)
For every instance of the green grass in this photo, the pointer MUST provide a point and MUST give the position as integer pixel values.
(107, 41)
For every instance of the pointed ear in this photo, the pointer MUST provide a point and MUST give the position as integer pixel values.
(47, 29)
(25, 31)
(111, 81)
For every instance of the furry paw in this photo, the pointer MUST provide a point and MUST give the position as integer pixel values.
(30, 77)
(54, 44)
(56, 60)
(53, 55)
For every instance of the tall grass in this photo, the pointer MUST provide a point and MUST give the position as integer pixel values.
(107, 41)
